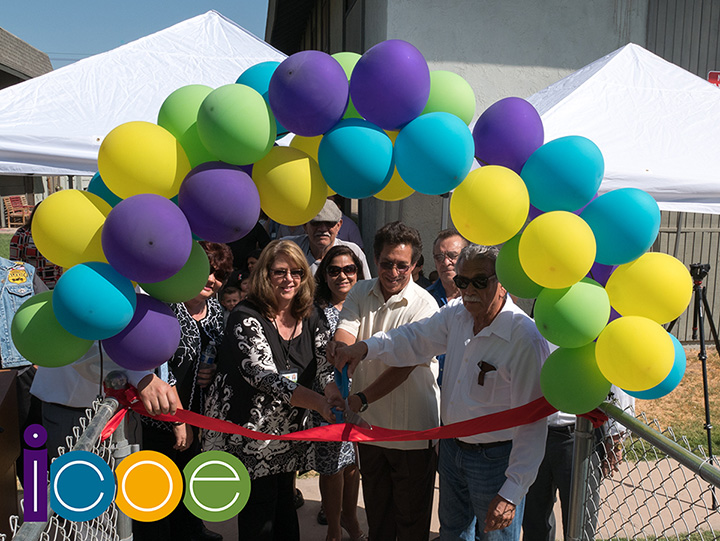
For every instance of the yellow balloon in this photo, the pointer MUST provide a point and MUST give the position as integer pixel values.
(397, 188)
(635, 353)
(657, 286)
(291, 187)
(490, 206)
(67, 226)
(140, 157)
(557, 249)
(310, 145)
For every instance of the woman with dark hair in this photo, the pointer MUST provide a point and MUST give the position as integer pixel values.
(338, 272)
(201, 325)
(272, 356)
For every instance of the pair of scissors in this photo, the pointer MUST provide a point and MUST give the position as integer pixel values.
(348, 416)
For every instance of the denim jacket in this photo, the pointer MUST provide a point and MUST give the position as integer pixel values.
(16, 283)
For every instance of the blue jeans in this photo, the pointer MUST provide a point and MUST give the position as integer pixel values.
(469, 480)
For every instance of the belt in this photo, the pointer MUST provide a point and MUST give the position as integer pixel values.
(479, 446)
(567, 429)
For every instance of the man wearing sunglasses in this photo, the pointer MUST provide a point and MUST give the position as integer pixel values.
(398, 477)
(493, 361)
(321, 235)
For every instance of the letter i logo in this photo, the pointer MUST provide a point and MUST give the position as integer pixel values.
(35, 474)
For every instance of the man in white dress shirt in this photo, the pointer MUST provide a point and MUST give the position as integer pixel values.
(493, 361)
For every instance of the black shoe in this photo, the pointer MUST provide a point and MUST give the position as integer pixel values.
(321, 518)
(206, 535)
(299, 500)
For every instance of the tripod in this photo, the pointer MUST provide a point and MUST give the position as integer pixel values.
(699, 271)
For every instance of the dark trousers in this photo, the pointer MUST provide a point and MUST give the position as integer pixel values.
(181, 524)
(554, 476)
(398, 488)
(270, 512)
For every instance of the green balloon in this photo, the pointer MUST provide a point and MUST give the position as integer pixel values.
(187, 283)
(511, 274)
(178, 115)
(573, 316)
(180, 109)
(39, 337)
(571, 380)
(348, 60)
(236, 125)
(450, 93)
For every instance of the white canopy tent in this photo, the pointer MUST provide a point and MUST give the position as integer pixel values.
(54, 124)
(655, 123)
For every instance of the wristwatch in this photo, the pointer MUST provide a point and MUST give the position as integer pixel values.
(364, 401)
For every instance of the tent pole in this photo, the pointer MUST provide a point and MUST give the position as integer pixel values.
(678, 230)
(445, 216)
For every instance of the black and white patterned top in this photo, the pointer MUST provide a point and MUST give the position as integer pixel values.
(250, 391)
(183, 366)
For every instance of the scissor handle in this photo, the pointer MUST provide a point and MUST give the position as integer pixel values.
(343, 382)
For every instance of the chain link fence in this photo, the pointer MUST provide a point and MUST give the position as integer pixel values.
(111, 525)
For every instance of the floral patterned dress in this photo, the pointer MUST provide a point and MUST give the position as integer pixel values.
(251, 389)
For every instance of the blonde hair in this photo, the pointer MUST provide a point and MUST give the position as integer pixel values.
(262, 293)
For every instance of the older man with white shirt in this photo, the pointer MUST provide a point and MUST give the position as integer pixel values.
(493, 362)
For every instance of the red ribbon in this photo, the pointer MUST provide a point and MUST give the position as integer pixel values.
(529, 413)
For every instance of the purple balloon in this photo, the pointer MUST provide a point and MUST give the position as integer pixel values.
(146, 238)
(507, 133)
(308, 93)
(534, 212)
(390, 84)
(150, 339)
(601, 273)
(220, 202)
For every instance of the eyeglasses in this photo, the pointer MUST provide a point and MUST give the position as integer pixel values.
(297, 274)
(219, 274)
(334, 271)
(478, 282)
(402, 268)
(452, 256)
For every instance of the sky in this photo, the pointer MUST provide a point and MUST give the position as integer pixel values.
(70, 30)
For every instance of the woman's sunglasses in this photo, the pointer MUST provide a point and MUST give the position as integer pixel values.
(334, 271)
(478, 282)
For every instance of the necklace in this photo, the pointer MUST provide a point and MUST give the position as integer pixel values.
(286, 345)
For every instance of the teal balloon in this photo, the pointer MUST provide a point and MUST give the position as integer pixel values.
(564, 174)
(187, 283)
(258, 78)
(510, 273)
(672, 380)
(625, 223)
(356, 158)
(571, 380)
(434, 153)
(573, 316)
(93, 301)
(40, 338)
(99, 188)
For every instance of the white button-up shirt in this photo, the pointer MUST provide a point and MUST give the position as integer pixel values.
(414, 404)
(512, 345)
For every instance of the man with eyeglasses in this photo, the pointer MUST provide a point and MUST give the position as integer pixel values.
(494, 357)
(446, 250)
(321, 235)
(398, 477)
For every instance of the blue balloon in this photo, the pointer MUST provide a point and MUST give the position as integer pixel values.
(564, 174)
(672, 380)
(258, 78)
(434, 153)
(98, 187)
(625, 223)
(93, 301)
(356, 158)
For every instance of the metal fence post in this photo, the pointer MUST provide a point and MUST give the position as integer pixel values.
(122, 450)
(582, 449)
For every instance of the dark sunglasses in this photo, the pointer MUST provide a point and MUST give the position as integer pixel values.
(478, 282)
(281, 273)
(220, 275)
(348, 270)
(402, 268)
